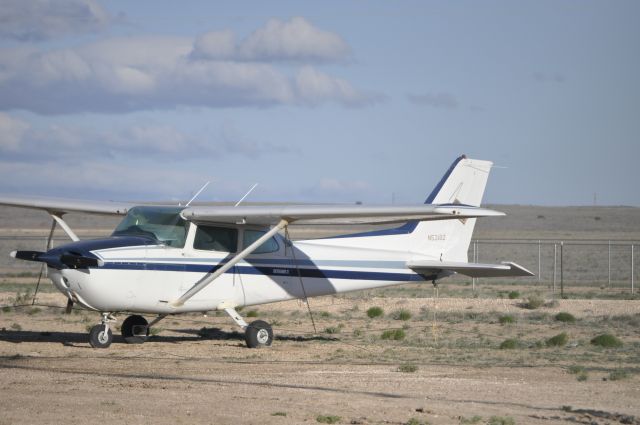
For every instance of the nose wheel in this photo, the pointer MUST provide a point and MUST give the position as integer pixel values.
(100, 336)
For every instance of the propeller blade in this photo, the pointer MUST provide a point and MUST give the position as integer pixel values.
(27, 255)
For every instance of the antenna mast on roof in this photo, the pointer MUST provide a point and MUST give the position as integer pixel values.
(197, 193)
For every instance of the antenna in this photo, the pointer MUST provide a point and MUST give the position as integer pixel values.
(197, 193)
(246, 194)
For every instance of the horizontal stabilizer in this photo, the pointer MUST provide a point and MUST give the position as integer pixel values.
(506, 269)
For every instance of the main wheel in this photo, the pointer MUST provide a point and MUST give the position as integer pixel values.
(135, 329)
(258, 334)
(98, 338)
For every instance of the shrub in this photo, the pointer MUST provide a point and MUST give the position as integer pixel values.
(374, 312)
(558, 340)
(252, 313)
(509, 344)
(606, 341)
(279, 414)
(16, 326)
(501, 420)
(414, 421)
(618, 374)
(565, 317)
(407, 368)
(507, 319)
(401, 314)
(582, 376)
(534, 302)
(472, 420)
(394, 334)
(325, 314)
(333, 329)
(328, 419)
(514, 295)
(575, 369)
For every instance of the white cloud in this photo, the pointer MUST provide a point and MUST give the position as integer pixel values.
(215, 45)
(20, 140)
(120, 75)
(12, 131)
(92, 179)
(295, 40)
(315, 87)
(36, 20)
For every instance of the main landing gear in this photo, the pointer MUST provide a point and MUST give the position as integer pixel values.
(257, 334)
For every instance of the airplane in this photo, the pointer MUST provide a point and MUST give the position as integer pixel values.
(165, 260)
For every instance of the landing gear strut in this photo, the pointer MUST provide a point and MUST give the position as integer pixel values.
(100, 335)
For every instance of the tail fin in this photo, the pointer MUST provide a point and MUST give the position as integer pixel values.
(464, 183)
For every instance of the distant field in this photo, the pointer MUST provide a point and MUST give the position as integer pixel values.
(586, 231)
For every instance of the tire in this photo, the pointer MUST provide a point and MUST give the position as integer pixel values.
(135, 329)
(258, 334)
(98, 338)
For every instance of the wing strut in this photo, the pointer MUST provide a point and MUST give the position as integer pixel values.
(199, 286)
(65, 227)
(47, 247)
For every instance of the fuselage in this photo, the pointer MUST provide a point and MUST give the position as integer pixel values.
(139, 273)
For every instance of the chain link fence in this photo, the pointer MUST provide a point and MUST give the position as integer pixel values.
(560, 264)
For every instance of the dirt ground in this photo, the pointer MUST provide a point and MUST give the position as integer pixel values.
(196, 369)
(445, 367)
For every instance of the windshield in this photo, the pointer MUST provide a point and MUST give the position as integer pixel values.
(163, 224)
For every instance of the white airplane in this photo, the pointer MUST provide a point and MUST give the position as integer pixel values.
(165, 260)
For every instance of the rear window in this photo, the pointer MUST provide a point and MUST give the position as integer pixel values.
(250, 236)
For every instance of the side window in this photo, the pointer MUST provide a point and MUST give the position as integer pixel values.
(216, 239)
(250, 236)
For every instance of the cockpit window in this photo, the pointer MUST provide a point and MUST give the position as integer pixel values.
(163, 224)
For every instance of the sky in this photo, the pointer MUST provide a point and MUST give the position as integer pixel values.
(329, 102)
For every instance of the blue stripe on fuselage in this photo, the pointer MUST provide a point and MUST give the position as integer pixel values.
(269, 271)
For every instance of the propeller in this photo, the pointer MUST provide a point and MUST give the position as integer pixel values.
(72, 260)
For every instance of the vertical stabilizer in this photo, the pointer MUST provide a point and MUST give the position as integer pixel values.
(448, 240)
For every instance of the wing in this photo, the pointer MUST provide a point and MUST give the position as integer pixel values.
(60, 206)
(506, 269)
(335, 214)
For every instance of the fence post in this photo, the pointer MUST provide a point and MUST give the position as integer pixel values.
(561, 269)
(539, 261)
(632, 282)
(555, 265)
(609, 264)
(473, 279)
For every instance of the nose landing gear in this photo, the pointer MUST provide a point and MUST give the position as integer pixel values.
(100, 335)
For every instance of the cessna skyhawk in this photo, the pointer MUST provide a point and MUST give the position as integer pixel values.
(165, 260)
